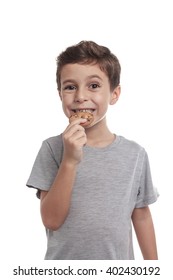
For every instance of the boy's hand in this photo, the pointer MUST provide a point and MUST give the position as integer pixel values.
(74, 138)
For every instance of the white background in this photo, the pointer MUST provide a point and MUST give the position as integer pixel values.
(32, 34)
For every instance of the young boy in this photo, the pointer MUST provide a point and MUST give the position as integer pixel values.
(91, 182)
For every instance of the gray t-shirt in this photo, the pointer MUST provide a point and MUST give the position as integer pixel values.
(109, 184)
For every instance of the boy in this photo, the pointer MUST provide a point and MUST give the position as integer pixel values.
(91, 182)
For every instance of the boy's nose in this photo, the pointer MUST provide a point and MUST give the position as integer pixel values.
(80, 96)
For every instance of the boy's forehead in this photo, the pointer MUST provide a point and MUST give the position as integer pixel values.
(83, 70)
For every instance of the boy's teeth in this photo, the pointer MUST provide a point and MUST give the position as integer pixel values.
(84, 110)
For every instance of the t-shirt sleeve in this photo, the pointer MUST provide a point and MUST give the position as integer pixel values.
(147, 193)
(44, 169)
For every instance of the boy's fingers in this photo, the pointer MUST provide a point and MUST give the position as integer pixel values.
(78, 121)
(77, 135)
(72, 129)
(74, 123)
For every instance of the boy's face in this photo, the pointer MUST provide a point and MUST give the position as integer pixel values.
(86, 87)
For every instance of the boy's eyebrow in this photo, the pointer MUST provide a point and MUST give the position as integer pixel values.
(94, 76)
(88, 77)
(68, 81)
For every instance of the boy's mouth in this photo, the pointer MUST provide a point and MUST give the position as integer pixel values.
(83, 110)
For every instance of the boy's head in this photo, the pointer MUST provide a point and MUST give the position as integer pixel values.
(88, 52)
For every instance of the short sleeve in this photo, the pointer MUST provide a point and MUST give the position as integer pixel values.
(44, 169)
(147, 193)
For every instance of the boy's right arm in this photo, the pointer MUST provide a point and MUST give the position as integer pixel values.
(55, 203)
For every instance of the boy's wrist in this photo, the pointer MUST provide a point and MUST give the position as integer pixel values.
(69, 164)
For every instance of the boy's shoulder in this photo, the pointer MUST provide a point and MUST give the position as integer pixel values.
(130, 144)
(54, 144)
(54, 140)
(130, 151)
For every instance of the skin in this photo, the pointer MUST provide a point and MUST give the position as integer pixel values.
(144, 228)
(86, 86)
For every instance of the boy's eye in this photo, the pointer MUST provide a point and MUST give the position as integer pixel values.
(69, 87)
(94, 85)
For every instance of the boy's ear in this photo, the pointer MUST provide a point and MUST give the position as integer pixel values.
(115, 95)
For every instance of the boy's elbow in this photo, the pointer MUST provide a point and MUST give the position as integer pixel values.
(51, 219)
(52, 227)
(52, 224)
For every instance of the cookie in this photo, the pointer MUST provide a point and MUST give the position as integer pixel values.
(84, 115)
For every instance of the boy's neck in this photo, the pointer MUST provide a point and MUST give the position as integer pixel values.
(99, 135)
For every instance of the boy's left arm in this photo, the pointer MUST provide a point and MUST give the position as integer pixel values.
(144, 228)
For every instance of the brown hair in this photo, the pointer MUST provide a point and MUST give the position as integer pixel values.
(88, 52)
